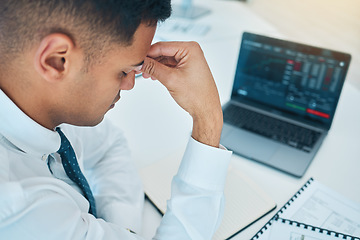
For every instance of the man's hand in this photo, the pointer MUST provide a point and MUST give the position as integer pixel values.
(181, 67)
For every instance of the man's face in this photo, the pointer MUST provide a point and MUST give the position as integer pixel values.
(94, 92)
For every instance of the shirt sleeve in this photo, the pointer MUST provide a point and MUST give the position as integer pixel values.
(196, 206)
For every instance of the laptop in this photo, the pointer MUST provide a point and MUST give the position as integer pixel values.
(283, 101)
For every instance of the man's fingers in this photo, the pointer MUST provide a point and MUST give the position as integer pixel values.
(160, 49)
(168, 61)
(176, 50)
(155, 69)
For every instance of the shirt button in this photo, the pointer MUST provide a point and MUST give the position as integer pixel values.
(44, 157)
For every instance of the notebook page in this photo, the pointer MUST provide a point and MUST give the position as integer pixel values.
(157, 179)
(325, 208)
(319, 206)
(245, 201)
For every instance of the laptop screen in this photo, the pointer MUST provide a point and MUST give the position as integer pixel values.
(297, 80)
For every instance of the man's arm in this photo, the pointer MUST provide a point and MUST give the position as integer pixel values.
(183, 70)
(197, 200)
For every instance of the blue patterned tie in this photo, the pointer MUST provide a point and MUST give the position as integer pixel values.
(73, 171)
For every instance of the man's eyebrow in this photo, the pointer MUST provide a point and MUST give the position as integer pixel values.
(139, 64)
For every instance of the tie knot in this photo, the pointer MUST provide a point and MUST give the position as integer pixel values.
(65, 144)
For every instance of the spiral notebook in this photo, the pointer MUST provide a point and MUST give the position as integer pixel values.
(315, 212)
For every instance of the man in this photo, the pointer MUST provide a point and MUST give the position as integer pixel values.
(64, 172)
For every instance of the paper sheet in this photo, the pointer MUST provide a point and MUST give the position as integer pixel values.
(321, 207)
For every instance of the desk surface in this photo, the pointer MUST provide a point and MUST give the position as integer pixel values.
(156, 127)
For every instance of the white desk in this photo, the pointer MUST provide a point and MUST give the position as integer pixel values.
(156, 127)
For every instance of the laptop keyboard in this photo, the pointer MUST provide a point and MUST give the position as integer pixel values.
(278, 130)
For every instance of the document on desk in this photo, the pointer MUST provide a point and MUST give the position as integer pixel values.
(245, 201)
(313, 211)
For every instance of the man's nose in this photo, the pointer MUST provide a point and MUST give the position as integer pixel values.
(128, 82)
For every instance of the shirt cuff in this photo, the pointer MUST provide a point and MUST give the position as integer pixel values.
(204, 166)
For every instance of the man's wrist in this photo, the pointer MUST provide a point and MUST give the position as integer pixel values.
(207, 128)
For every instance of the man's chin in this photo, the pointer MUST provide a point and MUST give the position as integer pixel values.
(97, 122)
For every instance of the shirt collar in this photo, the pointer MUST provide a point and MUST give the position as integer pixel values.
(23, 132)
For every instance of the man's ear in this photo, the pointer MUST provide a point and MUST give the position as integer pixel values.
(53, 56)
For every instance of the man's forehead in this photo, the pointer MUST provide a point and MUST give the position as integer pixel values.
(125, 56)
(133, 55)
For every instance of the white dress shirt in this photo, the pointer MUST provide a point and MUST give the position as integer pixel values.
(38, 200)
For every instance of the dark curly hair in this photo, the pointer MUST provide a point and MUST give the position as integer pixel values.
(86, 22)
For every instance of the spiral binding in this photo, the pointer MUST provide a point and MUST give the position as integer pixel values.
(282, 209)
(318, 229)
(277, 217)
